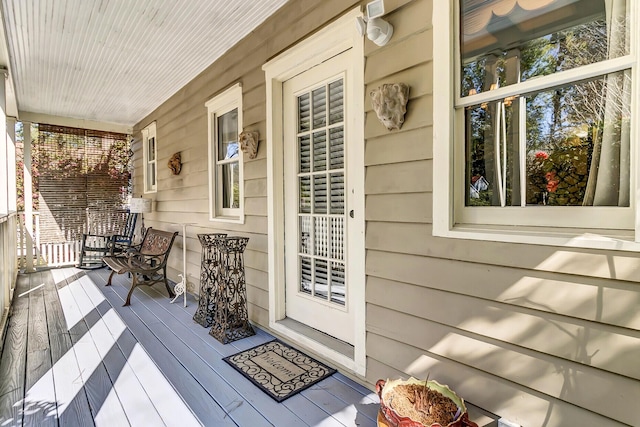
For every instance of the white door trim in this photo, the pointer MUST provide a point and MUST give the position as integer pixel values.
(326, 43)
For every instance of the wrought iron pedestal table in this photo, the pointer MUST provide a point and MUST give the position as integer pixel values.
(210, 268)
(231, 318)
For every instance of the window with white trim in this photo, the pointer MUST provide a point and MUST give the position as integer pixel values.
(226, 192)
(541, 131)
(150, 158)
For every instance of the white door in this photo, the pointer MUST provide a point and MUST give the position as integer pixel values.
(320, 197)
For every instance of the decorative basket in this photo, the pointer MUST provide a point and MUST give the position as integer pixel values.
(383, 388)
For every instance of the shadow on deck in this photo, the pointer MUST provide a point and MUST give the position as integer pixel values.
(73, 356)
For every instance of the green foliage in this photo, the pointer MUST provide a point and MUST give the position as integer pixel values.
(562, 122)
(67, 155)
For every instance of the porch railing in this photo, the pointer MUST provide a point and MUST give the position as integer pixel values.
(8, 265)
(66, 253)
(44, 253)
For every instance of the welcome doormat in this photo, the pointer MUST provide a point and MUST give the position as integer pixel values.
(279, 369)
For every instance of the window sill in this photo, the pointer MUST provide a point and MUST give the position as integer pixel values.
(619, 240)
(228, 219)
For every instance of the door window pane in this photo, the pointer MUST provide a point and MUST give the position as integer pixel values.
(321, 236)
(319, 108)
(305, 153)
(337, 193)
(336, 147)
(320, 194)
(306, 235)
(337, 238)
(338, 288)
(321, 285)
(321, 188)
(306, 274)
(336, 102)
(304, 113)
(319, 151)
(305, 194)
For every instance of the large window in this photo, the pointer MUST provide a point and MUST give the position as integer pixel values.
(150, 156)
(541, 131)
(225, 157)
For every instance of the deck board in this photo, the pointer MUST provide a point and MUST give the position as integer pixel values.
(344, 412)
(274, 412)
(96, 372)
(14, 357)
(367, 406)
(132, 395)
(171, 408)
(201, 403)
(198, 339)
(310, 412)
(73, 409)
(98, 385)
(40, 404)
(136, 388)
(149, 363)
(184, 346)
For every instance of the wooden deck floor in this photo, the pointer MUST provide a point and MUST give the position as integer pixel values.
(73, 356)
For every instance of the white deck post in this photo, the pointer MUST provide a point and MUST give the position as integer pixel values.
(4, 148)
(11, 163)
(28, 196)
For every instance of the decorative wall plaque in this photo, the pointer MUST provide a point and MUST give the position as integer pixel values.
(175, 163)
(390, 104)
(249, 143)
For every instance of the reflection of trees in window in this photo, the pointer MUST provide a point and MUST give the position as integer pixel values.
(228, 159)
(231, 185)
(565, 125)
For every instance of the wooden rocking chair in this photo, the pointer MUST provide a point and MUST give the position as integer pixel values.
(104, 239)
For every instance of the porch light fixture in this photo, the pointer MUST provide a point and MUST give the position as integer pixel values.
(142, 206)
(378, 30)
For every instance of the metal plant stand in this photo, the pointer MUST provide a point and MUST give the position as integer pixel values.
(231, 319)
(210, 269)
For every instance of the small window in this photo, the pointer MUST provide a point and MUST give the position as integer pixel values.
(225, 157)
(150, 154)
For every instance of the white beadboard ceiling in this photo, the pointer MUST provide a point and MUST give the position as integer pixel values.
(115, 61)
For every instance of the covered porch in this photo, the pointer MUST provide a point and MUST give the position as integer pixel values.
(367, 246)
(73, 356)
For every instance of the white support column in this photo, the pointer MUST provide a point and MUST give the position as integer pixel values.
(5, 278)
(11, 164)
(28, 196)
(12, 203)
(4, 177)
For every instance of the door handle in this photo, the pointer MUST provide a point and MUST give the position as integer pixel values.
(351, 213)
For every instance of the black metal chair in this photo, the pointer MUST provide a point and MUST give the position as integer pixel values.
(122, 242)
(148, 265)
